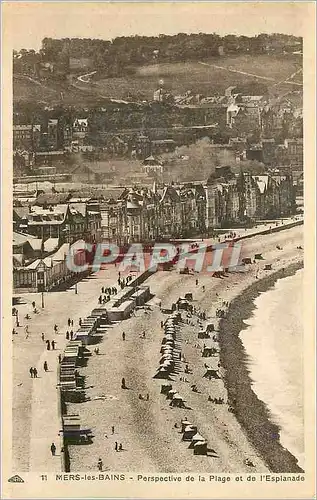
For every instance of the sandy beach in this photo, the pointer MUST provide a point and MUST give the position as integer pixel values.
(146, 428)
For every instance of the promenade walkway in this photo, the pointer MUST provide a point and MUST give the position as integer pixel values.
(30, 351)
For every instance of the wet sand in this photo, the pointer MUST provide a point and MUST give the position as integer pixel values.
(146, 428)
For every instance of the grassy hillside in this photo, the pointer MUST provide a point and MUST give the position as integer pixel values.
(207, 77)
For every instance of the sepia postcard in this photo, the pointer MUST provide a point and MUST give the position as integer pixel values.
(157, 258)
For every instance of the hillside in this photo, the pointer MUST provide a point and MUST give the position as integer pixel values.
(207, 77)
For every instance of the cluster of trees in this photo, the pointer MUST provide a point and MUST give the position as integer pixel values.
(119, 56)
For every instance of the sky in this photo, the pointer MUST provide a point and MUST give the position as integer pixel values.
(26, 24)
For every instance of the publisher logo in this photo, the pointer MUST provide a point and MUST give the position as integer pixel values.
(15, 479)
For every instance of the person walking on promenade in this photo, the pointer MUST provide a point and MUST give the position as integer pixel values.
(67, 335)
(55, 328)
(26, 329)
(59, 358)
(112, 429)
(116, 446)
(48, 345)
(72, 322)
(53, 449)
(123, 336)
(100, 299)
(45, 366)
(197, 282)
(123, 386)
(80, 322)
(68, 321)
(31, 372)
(53, 345)
(35, 372)
(100, 464)
(71, 335)
(43, 337)
(120, 447)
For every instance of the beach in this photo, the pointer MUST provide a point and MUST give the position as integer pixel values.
(146, 428)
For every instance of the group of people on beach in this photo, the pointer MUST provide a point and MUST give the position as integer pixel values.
(50, 344)
(34, 372)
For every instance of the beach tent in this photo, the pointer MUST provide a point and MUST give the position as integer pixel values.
(184, 424)
(208, 349)
(165, 388)
(162, 373)
(210, 373)
(210, 327)
(200, 448)
(258, 256)
(203, 334)
(171, 393)
(268, 267)
(189, 432)
(189, 296)
(177, 401)
(195, 439)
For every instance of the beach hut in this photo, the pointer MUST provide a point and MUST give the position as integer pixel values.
(162, 373)
(200, 448)
(170, 394)
(209, 349)
(189, 432)
(210, 327)
(212, 373)
(203, 334)
(267, 267)
(184, 305)
(177, 401)
(189, 296)
(165, 388)
(195, 439)
(185, 423)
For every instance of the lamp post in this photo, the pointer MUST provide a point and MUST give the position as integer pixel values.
(42, 296)
(76, 290)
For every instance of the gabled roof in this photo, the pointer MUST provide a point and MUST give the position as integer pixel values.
(52, 198)
(170, 192)
(36, 244)
(262, 182)
(20, 238)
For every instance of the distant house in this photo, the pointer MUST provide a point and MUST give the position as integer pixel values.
(152, 165)
(294, 152)
(232, 112)
(80, 128)
(92, 173)
(26, 137)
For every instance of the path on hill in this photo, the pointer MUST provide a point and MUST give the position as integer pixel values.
(287, 80)
(237, 71)
(85, 78)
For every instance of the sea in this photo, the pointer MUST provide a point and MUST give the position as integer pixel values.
(273, 342)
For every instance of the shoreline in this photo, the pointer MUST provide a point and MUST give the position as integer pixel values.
(252, 413)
